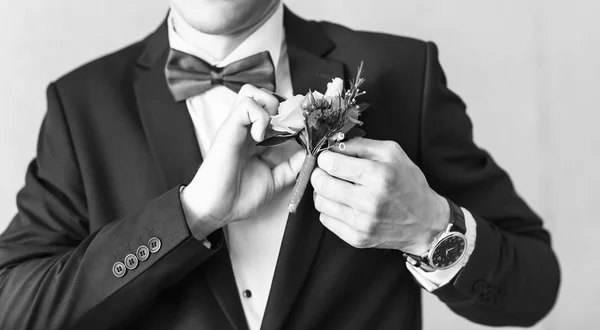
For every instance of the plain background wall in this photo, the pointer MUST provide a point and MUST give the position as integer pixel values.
(528, 70)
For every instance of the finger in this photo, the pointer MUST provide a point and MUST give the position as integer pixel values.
(265, 99)
(333, 188)
(234, 131)
(260, 121)
(356, 170)
(335, 210)
(344, 231)
(285, 173)
(248, 112)
(382, 151)
(351, 216)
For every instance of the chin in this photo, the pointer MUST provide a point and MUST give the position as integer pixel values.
(223, 17)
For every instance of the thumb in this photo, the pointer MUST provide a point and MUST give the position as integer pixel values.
(248, 114)
(285, 173)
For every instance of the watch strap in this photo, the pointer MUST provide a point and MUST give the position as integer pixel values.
(457, 218)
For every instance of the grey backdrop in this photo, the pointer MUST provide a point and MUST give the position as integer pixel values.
(529, 71)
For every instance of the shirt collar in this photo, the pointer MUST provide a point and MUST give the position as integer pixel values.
(268, 37)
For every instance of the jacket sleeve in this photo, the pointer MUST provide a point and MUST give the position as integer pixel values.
(56, 274)
(512, 277)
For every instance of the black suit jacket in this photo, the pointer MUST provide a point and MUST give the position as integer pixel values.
(114, 148)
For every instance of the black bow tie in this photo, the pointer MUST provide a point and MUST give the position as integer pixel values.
(188, 76)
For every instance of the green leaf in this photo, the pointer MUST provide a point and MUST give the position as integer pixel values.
(276, 140)
(355, 132)
(355, 121)
(362, 107)
(298, 139)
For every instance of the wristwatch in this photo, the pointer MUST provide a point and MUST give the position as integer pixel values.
(448, 248)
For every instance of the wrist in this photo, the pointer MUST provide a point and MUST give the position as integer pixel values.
(200, 223)
(437, 223)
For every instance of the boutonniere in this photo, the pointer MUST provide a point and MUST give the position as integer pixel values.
(318, 122)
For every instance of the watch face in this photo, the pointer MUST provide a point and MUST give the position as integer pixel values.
(448, 251)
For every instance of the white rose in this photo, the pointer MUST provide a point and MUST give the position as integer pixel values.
(289, 116)
(335, 88)
(317, 95)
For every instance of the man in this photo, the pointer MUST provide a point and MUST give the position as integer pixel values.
(149, 205)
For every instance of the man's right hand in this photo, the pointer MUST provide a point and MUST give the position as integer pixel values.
(234, 181)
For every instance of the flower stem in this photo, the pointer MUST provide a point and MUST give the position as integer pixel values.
(302, 182)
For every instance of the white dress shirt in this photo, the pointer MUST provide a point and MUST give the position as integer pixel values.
(254, 244)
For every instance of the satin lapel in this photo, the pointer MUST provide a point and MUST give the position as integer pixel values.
(168, 127)
(219, 276)
(303, 232)
(172, 138)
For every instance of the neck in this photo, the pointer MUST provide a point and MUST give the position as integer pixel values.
(223, 44)
(237, 37)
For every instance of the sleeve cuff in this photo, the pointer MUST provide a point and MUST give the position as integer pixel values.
(205, 241)
(431, 281)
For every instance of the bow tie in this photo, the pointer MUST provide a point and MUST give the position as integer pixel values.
(188, 76)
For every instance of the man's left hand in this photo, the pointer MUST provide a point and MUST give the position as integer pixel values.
(372, 195)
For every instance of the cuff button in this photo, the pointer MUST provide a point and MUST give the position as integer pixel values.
(131, 262)
(481, 287)
(119, 269)
(142, 253)
(154, 244)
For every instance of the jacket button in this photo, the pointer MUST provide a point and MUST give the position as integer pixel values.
(481, 287)
(131, 262)
(490, 296)
(119, 269)
(142, 253)
(154, 244)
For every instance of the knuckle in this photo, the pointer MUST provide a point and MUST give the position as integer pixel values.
(368, 171)
(356, 195)
(322, 186)
(360, 175)
(324, 220)
(386, 178)
(334, 165)
(351, 215)
(246, 89)
(368, 227)
(360, 241)
(376, 207)
(372, 206)
(316, 180)
(328, 162)
(247, 102)
(356, 139)
(265, 116)
(322, 217)
(318, 202)
(393, 148)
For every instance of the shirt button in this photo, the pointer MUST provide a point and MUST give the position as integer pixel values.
(247, 293)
